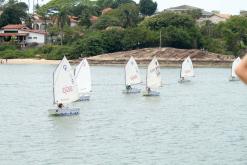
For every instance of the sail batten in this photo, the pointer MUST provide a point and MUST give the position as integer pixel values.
(64, 85)
(187, 69)
(83, 77)
(132, 73)
(153, 74)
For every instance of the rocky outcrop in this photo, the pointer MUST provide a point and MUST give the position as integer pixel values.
(166, 57)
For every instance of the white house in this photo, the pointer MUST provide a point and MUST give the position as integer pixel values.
(34, 36)
(215, 18)
(40, 23)
(22, 35)
(186, 8)
(205, 15)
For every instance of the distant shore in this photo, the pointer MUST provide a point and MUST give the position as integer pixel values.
(118, 63)
(167, 57)
(102, 62)
(163, 63)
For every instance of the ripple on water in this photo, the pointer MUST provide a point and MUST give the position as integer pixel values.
(202, 122)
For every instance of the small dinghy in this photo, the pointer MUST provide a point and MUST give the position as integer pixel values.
(132, 77)
(64, 90)
(187, 70)
(234, 76)
(83, 79)
(153, 78)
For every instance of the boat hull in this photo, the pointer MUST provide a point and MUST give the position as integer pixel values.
(64, 111)
(234, 79)
(84, 98)
(183, 81)
(132, 91)
(151, 93)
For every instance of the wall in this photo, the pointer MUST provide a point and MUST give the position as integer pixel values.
(34, 37)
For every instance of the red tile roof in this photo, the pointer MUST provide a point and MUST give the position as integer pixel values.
(73, 19)
(106, 10)
(14, 26)
(93, 19)
(23, 28)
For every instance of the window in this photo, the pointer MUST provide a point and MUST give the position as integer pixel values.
(35, 38)
(29, 37)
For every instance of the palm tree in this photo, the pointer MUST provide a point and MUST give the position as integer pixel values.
(62, 20)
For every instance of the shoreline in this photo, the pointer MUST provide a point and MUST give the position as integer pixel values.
(141, 63)
(167, 57)
(28, 61)
(163, 63)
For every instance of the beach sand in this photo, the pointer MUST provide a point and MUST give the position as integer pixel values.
(29, 61)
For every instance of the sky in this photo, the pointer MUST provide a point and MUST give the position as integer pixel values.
(224, 6)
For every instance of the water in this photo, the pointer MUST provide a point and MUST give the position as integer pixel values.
(202, 122)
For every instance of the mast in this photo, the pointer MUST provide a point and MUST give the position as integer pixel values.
(181, 70)
(147, 79)
(231, 70)
(53, 88)
(125, 76)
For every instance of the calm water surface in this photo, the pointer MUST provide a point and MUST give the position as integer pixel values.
(201, 122)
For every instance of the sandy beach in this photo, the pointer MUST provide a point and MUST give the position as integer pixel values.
(28, 61)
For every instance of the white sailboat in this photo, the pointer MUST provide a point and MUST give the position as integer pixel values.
(132, 76)
(64, 89)
(153, 79)
(234, 76)
(83, 79)
(187, 70)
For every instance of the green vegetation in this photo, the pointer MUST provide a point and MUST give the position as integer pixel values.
(147, 7)
(125, 26)
(13, 13)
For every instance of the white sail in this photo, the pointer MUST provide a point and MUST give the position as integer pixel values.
(153, 74)
(234, 66)
(187, 68)
(132, 73)
(64, 85)
(83, 77)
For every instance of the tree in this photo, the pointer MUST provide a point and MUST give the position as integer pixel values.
(82, 9)
(106, 21)
(195, 13)
(59, 4)
(176, 37)
(139, 37)
(112, 40)
(13, 13)
(117, 3)
(62, 20)
(166, 19)
(147, 7)
(104, 3)
(127, 14)
(234, 31)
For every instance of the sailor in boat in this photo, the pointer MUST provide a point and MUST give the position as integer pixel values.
(149, 90)
(60, 105)
(128, 87)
